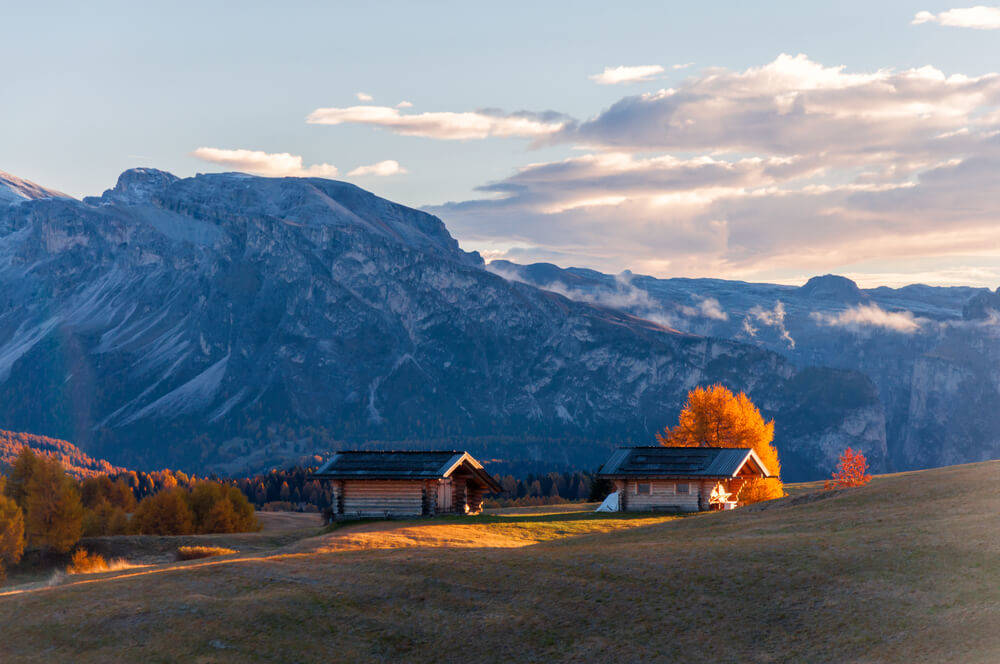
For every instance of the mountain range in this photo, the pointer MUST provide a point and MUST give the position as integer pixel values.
(227, 322)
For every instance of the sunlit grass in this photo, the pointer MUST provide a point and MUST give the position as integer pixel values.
(196, 552)
(903, 570)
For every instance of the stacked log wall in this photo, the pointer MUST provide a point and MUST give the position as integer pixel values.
(381, 498)
(663, 496)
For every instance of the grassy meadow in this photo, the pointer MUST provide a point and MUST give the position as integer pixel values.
(906, 569)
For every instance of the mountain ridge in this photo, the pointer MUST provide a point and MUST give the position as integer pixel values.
(196, 322)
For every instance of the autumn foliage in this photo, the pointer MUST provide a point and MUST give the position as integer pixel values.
(715, 417)
(207, 507)
(164, 513)
(852, 470)
(54, 514)
(42, 507)
(11, 531)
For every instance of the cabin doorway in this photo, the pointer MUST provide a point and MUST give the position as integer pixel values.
(444, 496)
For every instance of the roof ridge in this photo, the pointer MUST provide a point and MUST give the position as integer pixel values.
(680, 447)
(400, 452)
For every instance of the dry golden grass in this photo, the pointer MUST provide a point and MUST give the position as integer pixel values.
(85, 562)
(906, 569)
(196, 552)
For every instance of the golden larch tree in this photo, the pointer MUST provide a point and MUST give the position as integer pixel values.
(54, 514)
(11, 531)
(715, 417)
(164, 513)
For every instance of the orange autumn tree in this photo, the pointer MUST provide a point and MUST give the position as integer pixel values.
(852, 470)
(715, 417)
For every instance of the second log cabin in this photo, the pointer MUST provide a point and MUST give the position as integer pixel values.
(681, 479)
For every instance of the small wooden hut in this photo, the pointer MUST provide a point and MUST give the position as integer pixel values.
(680, 479)
(404, 483)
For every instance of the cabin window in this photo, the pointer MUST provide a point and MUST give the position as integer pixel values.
(683, 488)
(642, 489)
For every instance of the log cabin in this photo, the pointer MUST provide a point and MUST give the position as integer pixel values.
(680, 479)
(405, 483)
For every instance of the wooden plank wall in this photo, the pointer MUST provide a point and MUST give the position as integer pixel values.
(380, 498)
(664, 497)
(403, 498)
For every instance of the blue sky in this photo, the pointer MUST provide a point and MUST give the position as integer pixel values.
(90, 90)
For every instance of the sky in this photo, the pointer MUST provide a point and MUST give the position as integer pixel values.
(762, 141)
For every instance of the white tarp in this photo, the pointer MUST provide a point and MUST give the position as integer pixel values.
(610, 503)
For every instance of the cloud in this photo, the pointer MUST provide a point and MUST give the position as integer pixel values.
(363, 96)
(382, 168)
(707, 307)
(404, 104)
(682, 66)
(978, 18)
(624, 295)
(445, 125)
(769, 318)
(635, 74)
(269, 164)
(795, 106)
(868, 316)
(774, 172)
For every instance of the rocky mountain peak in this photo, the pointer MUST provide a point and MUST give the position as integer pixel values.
(982, 306)
(137, 185)
(833, 287)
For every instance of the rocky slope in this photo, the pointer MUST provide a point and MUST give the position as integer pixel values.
(197, 322)
(933, 353)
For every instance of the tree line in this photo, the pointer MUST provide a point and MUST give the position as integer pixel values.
(44, 508)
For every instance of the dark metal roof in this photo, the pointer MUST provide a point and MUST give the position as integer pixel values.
(401, 465)
(659, 461)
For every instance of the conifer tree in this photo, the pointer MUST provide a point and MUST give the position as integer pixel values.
(11, 531)
(54, 514)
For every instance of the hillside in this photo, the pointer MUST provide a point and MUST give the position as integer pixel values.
(195, 323)
(69, 455)
(903, 570)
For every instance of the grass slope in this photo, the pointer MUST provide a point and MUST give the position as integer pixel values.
(904, 570)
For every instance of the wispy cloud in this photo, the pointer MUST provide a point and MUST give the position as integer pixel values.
(774, 318)
(382, 168)
(977, 18)
(870, 316)
(684, 65)
(624, 295)
(270, 164)
(445, 125)
(404, 104)
(706, 307)
(625, 74)
(363, 96)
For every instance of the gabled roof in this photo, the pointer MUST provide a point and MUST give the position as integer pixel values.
(401, 465)
(659, 461)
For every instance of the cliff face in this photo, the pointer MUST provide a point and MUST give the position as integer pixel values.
(931, 353)
(954, 410)
(195, 322)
